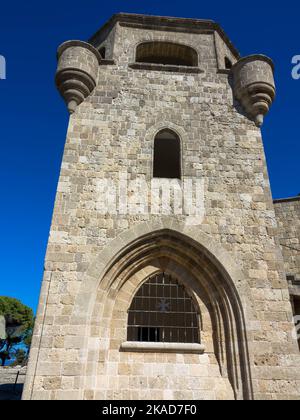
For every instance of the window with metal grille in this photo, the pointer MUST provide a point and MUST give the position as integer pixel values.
(167, 155)
(163, 311)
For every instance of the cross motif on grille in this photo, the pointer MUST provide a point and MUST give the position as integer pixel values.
(163, 305)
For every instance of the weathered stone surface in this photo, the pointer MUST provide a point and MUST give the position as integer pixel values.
(288, 218)
(230, 259)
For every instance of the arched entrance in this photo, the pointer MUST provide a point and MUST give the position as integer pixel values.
(221, 372)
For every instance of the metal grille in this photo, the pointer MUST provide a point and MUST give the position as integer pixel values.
(162, 311)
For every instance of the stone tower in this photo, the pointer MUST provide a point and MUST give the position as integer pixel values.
(163, 275)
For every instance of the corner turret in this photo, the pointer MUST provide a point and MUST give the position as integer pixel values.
(254, 85)
(77, 72)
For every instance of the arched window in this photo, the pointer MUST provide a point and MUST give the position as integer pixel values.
(166, 53)
(166, 162)
(163, 311)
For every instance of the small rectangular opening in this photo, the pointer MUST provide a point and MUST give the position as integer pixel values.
(296, 312)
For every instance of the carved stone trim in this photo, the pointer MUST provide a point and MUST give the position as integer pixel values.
(140, 346)
(162, 67)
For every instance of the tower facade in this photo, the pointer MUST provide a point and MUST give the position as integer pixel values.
(163, 276)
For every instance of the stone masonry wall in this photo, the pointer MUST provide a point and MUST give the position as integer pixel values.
(112, 132)
(288, 218)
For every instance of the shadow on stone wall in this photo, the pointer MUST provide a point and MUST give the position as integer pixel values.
(11, 392)
(11, 383)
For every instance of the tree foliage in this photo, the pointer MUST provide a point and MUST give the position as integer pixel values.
(19, 321)
(20, 357)
(15, 312)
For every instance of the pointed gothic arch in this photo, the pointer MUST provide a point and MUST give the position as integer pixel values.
(202, 274)
(116, 273)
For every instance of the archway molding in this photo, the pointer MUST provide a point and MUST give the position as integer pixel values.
(111, 282)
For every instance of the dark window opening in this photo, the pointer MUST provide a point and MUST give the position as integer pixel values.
(296, 312)
(228, 63)
(150, 334)
(102, 52)
(167, 155)
(163, 311)
(166, 53)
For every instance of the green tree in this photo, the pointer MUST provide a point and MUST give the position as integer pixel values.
(19, 321)
(20, 357)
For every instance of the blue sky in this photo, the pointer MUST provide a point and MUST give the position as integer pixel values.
(34, 118)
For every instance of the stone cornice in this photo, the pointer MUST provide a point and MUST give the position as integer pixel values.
(285, 200)
(188, 25)
(76, 43)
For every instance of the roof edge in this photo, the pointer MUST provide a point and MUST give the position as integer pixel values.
(287, 199)
(159, 21)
